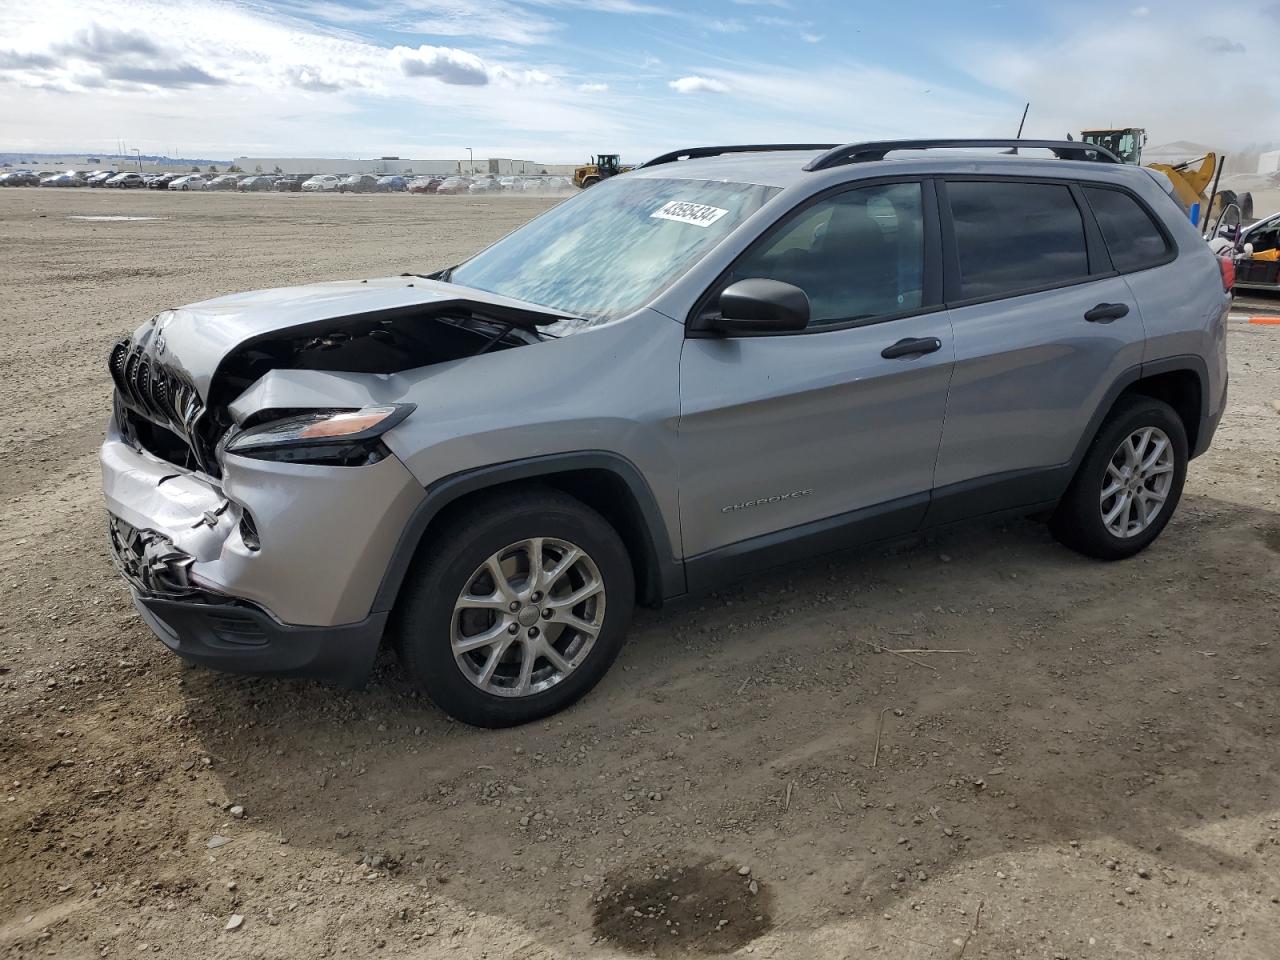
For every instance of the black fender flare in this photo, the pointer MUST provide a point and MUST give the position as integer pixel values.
(1128, 378)
(441, 493)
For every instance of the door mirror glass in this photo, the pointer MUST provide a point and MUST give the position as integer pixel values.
(757, 305)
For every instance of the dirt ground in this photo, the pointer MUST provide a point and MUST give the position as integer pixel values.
(1085, 763)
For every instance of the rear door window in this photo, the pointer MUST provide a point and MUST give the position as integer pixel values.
(1013, 237)
(1133, 240)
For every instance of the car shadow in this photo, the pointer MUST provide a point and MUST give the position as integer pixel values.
(860, 724)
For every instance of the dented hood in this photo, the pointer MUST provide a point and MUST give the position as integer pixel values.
(193, 340)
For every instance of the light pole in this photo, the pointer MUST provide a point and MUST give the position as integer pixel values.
(471, 159)
(138, 153)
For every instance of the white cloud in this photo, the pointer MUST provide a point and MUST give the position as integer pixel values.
(496, 20)
(446, 64)
(698, 85)
(593, 87)
(1223, 45)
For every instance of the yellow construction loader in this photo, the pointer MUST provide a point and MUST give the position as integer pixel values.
(1192, 180)
(602, 165)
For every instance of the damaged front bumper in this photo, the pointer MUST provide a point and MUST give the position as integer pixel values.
(272, 569)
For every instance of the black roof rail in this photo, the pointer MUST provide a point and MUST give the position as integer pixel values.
(876, 150)
(693, 153)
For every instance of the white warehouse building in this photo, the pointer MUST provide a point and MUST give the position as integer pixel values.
(406, 166)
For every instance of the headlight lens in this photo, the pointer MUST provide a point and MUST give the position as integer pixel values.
(345, 437)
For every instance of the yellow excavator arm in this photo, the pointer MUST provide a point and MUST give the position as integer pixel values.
(1191, 182)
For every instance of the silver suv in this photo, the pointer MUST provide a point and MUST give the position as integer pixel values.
(731, 358)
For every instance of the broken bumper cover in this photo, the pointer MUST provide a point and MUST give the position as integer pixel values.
(297, 597)
(227, 633)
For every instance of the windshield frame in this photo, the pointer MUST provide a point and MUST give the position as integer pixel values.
(577, 321)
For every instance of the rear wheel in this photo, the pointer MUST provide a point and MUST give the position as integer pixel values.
(1129, 483)
(589, 182)
(519, 609)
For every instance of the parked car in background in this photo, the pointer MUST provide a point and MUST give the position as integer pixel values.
(259, 183)
(191, 181)
(1257, 256)
(453, 185)
(322, 183)
(20, 178)
(485, 185)
(392, 184)
(289, 184)
(68, 179)
(100, 178)
(127, 181)
(359, 183)
(162, 181)
(226, 181)
(425, 184)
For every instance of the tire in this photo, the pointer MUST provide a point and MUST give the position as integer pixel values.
(590, 182)
(426, 627)
(1079, 521)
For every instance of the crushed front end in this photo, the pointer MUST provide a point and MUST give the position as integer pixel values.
(253, 506)
(271, 569)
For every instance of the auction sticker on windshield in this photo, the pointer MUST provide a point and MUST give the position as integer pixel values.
(698, 214)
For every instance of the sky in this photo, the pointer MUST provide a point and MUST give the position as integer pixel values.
(557, 80)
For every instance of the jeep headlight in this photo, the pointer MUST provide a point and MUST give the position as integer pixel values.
(336, 437)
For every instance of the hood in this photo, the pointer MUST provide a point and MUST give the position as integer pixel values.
(193, 340)
(181, 370)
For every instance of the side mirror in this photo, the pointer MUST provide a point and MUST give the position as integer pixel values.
(761, 306)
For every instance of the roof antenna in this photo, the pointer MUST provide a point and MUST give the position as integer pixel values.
(1021, 124)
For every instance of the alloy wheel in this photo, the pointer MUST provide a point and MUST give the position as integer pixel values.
(528, 617)
(1137, 482)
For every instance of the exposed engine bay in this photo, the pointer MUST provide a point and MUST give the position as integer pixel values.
(159, 407)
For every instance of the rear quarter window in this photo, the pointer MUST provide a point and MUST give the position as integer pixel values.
(1133, 239)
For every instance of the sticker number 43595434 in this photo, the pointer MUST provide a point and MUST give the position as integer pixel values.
(698, 214)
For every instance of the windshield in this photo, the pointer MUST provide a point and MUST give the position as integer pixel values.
(614, 247)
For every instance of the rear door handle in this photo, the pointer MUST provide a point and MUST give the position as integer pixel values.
(911, 347)
(1106, 312)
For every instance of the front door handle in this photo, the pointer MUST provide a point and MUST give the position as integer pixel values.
(1106, 312)
(911, 347)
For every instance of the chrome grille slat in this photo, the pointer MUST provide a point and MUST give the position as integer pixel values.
(149, 390)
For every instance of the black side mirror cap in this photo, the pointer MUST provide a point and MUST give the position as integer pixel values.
(757, 305)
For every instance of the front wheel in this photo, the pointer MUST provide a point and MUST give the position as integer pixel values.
(517, 610)
(1128, 484)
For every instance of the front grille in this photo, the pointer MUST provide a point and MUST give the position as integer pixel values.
(159, 396)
